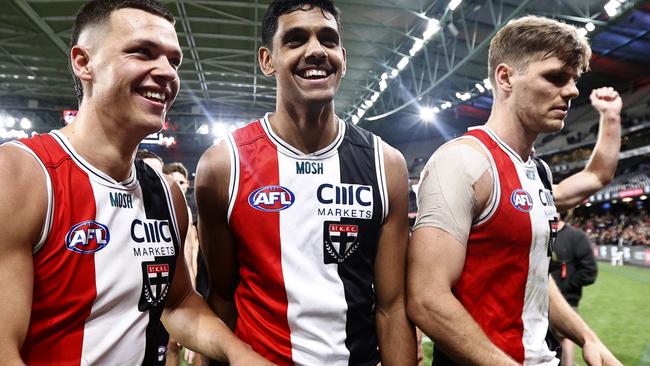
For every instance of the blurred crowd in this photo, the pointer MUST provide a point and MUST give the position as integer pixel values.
(626, 228)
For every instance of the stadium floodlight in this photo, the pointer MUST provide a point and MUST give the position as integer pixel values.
(479, 87)
(10, 121)
(433, 27)
(643, 198)
(203, 129)
(25, 123)
(417, 46)
(355, 120)
(374, 97)
(487, 84)
(582, 32)
(383, 85)
(427, 113)
(368, 103)
(459, 95)
(384, 76)
(360, 112)
(403, 62)
(590, 27)
(611, 8)
(394, 73)
(453, 4)
(219, 129)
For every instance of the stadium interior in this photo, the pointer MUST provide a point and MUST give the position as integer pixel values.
(416, 77)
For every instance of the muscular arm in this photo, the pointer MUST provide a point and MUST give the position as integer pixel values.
(601, 166)
(436, 257)
(217, 244)
(189, 319)
(396, 333)
(23, 205)
(568, 322)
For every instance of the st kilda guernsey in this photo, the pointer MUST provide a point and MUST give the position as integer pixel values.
(306, 227)
(104, 263)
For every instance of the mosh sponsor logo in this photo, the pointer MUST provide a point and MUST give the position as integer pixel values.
(87, 237)
(521, 200)
(340, 241)
(307, 167)
(271, 198)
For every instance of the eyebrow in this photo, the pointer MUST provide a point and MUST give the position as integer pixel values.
(143, 42)
(296, 31)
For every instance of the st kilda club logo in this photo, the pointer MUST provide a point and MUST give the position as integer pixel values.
(340, 241)
(156, 282)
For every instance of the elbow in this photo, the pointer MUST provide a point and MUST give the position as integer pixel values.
(420, 309)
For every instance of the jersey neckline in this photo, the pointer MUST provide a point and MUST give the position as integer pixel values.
(93, 173)
(505, 147)
(287, 149)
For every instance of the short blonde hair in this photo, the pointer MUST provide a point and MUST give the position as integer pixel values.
(533, 38)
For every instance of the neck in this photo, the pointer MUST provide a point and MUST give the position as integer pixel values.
(306, 128)
(102, 142)
(509, 127)
(560, 225)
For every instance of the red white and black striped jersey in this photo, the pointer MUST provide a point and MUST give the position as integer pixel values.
(306, 228)
(504, 283)
(104, 264)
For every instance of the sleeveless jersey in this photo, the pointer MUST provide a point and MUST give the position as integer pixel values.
(306, 228)
(504, 283)
(104, 263)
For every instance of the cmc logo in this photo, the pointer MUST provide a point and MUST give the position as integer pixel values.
(271, 198)
(521, 200)
(87, 237)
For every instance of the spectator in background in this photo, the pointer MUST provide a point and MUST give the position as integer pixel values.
(151, 159)
(572, 266)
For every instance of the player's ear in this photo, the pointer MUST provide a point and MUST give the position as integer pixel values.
(503, 75)
(345, 62)
(265, 60)
(80, 62)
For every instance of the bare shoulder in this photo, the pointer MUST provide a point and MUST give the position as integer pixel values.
(24, 192)
(393, 158)
(214, 165)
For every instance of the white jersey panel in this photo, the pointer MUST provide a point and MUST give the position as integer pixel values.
(535, 311)
(313, 289)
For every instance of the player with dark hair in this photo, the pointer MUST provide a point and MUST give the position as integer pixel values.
(478, 281)
(90, 240)
(303, 217)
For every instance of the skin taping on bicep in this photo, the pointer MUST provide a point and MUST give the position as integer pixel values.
(446, 197)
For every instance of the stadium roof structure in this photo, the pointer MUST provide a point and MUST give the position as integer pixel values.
(402, 55)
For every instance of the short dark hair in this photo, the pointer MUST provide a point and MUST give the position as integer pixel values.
(280, 7)
(146, 154)
(177, 167)
(96, 12)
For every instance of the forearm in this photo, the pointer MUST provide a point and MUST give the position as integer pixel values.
(604, 157)
(397, 341)
(195, 326)
(566, 320)
(453, 329)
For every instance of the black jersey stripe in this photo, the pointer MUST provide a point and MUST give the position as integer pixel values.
(158, 205)
(358, 166)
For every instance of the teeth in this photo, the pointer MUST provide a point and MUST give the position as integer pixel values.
(154, 95)
(313, 72)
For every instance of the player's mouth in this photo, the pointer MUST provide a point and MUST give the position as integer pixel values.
(155, 96)
(314, 74)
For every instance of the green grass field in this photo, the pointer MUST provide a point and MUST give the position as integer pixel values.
(617, 307)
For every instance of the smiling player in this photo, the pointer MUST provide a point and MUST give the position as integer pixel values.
(90, 244)
(303, 217)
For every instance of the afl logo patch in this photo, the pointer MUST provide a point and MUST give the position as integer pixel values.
(271, 198)
(521, 200)
(87, 237)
